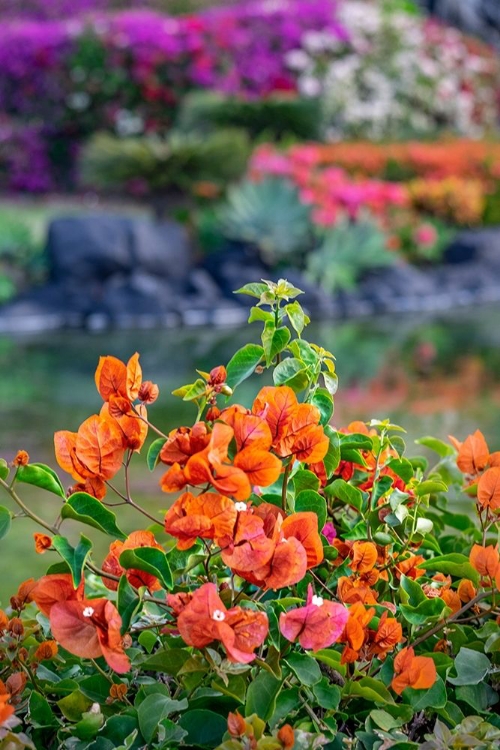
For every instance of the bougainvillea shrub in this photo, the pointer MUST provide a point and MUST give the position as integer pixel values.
(307, 585)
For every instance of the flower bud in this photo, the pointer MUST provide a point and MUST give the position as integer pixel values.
(236, 724)
(16, 627)
(21, 459)
(218, 375)
(42, 543)
(148, 392)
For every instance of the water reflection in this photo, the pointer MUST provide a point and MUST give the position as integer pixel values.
(434, 376)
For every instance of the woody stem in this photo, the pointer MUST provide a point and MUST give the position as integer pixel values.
(286, 476)
(27, 512)
(432, 631)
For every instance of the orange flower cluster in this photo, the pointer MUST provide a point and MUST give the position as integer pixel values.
(363, 642)
(482, 467)
(203, 618)
(88, 628)
(95, 453)
(259, 544)
(463, 158)
(276, 428)
(456, 199)
(417, 672)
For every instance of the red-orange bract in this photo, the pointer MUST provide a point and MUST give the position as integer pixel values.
(199, 457)
(89, 628)
(488, 489)
(417, 672)
(271, 552)
(317, 625)
(205, 619)
(205, 516)
(295, 427)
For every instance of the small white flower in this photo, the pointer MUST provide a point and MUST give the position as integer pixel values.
(95, 709)
(240, 506)
(317, 601)
(88, 611)
(218, 615)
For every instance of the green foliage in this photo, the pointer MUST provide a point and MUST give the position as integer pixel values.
(174, 163)
(347, 251)
(269, 215)
(274, 117)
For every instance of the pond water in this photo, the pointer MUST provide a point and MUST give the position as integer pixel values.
(436, 376)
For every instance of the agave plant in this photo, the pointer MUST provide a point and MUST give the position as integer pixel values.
(348, 250)
(267, 214)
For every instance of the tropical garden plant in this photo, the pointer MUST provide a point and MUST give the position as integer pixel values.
(306, 587)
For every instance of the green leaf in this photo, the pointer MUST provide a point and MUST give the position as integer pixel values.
(356, 440)
(154, 453)
(74, 556)
(331, 382)
(170, 733)
(88, 726)
(305, 668)
(86, 509)
(195, 390)
(128, 603)
(331, 658)
(74, 705)
(430, 609)
(384, 720)
(297, 317)
(261, 695)
(430, 487)
(243, 364)
(169, 660)
(40, 713)
(203, 727)
(328, 696)
(454, 564)
(402, 467)
(291, 372)
(4, 469)
(434, 697)
(322, 400)
(149, 559)
(346, 493)
(153, 709)
(253, 290)
(442, 449)
(5, 521)
(413, 590)
(481, 697)
(41, 476)
(309, 500)
(258, 314)
(274, 340)
(236, 687)
(369, 688)
(304, 351)
(303, 479)
(471, 666)
(332, 458)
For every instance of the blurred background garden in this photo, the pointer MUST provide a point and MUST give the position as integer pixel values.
(157, 155)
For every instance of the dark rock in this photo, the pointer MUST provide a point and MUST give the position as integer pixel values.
(96, 247)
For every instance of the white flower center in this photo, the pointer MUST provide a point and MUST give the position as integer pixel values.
(240, 506)
(218, 615)
(317, 600)
(88, 611)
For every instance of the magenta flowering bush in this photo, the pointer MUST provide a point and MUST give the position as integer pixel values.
(127, 71)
